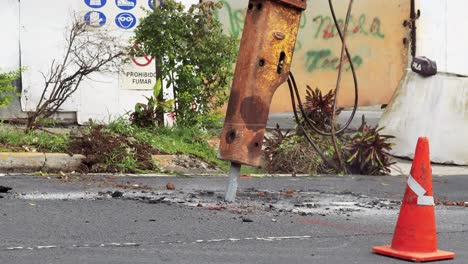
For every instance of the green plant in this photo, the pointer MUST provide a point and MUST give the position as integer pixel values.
(368, 151)
(273, 142)
(145, 115)
(180, 140)
(121, 126)
(46, 122)
(319, 108)
(195, 57)
(291, 153)
(7, 89)
(364, 152)
(176, 140)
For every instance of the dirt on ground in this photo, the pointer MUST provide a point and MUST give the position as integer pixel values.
(106, 151)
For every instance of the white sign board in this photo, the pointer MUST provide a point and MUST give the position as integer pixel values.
(101, 97)
(9, 46)
(138, 74)
(122, 16)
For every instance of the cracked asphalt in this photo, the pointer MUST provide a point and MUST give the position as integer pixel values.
(109, 219)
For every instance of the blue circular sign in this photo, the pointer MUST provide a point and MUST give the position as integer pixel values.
(95, 18)
(126, 4)
(150, 3)
(125, 20)
(95, 3)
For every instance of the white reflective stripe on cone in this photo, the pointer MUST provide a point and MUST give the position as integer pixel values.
(420, 192)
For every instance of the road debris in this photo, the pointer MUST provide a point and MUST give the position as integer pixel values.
(5, 189)
(452, 203)
(117, 194)
(170, 186)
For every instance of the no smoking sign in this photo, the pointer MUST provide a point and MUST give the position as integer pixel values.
(139, 75)
(142, 61)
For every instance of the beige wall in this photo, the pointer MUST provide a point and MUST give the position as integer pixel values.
(375, 41)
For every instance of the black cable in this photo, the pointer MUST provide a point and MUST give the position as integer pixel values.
(353, 71)
(294, 92)
(356, 88)
(413, 17)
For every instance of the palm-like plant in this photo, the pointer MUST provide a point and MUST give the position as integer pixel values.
(368, 151)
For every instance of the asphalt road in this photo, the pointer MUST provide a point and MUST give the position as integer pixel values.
(73, 219)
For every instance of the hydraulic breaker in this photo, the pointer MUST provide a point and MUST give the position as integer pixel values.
(263, 64)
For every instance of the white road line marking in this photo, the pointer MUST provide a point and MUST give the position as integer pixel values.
(46, 247)
(14, 248)
(132, 244)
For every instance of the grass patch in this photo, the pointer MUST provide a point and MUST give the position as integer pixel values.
(176, 140)
(251, 170)
(13, 139)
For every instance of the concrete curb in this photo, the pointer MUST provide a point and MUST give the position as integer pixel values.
(31, 162)
(55, 162)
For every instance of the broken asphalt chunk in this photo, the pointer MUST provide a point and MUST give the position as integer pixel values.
(156, 201)
(117, 194)
(4, 189)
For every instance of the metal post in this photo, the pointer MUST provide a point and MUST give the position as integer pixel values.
(159, 76)
(232, 183)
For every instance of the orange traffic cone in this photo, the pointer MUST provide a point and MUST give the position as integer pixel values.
(415, 233)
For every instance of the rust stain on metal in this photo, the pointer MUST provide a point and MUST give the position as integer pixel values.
(263, 64)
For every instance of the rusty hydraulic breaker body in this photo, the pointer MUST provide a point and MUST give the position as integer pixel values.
(263, 64)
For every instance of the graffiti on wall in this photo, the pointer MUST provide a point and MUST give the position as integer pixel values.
(236, 18)
(324, 59)
(320, 28)
(363, 26)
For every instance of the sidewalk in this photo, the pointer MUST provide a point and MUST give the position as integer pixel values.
(403, 167)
